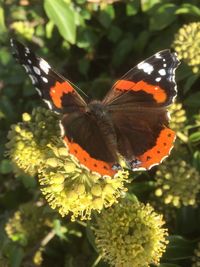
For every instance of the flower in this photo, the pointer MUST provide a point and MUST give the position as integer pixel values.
(177, 183)
(37, 258)
(28, 140)
(28, 224)
(23, 28)
(69, 187)
(130, 234)
(187, 44)
(178, 117)
(196, 257)
(35, 146)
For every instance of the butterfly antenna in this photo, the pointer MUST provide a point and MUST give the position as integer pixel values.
(78, 89)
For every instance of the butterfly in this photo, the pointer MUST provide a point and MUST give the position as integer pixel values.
(129, 124)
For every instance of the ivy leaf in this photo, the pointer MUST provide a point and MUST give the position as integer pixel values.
(162, 16)
(193, 100)
(146, 5)
(194, 137)
(63, 17)
(178, 248)
(187, 8)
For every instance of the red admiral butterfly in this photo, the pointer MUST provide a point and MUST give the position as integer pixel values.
(131, 122)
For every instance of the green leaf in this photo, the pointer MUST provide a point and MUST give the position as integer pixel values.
(59, 229)
(193, 100)
(90, 236)
(146, 5)
(106, 16)
(63, 17)
(122, 50)
(196, 160)
(49, 29)
(188, 8)
(132, 8)
(162, 16)
(194, 137)
(5, 166)
(16, 256)
(178, 248)
(189, 82)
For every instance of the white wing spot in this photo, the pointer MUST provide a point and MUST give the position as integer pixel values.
(48, 103)
(158, 79)
(164, 65)
(29, 61)
(33, 79)
(27, 68)
(158, 55)
(11, 42)
(162, 72)
(37, 70)
(164, 59)
(39, 92)
(27, 50)
(45, 79)
(62, 130)
(44, 65)
(146, 67)
(168, 115)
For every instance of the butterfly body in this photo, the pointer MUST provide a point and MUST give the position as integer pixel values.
(130, 125)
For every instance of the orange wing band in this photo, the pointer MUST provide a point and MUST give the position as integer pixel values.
(101, 167)
(57, 91)
(158, 93)
(160, 151)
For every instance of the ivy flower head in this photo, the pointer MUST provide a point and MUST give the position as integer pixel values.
(178, 117)
(177, 183)
(196, 257)
(69, 187)
(187, 44)
(36, 147)
(28, 224)
(28, 140)
(130, 234)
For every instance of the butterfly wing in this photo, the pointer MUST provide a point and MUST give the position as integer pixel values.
(137, 105)
(55, 90)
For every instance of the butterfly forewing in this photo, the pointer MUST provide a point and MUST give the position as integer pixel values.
(55, 90)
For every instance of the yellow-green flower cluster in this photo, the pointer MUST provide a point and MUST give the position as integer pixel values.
(28, 140)
(178, 117)
(28, 224)
(68, 186)
(196, 257)
(37, 258)
(130, 234)
(177, 183)
(23, 28)
(36, 147)
(187, 44)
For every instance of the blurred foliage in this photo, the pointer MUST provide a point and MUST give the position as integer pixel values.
(92, 43)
